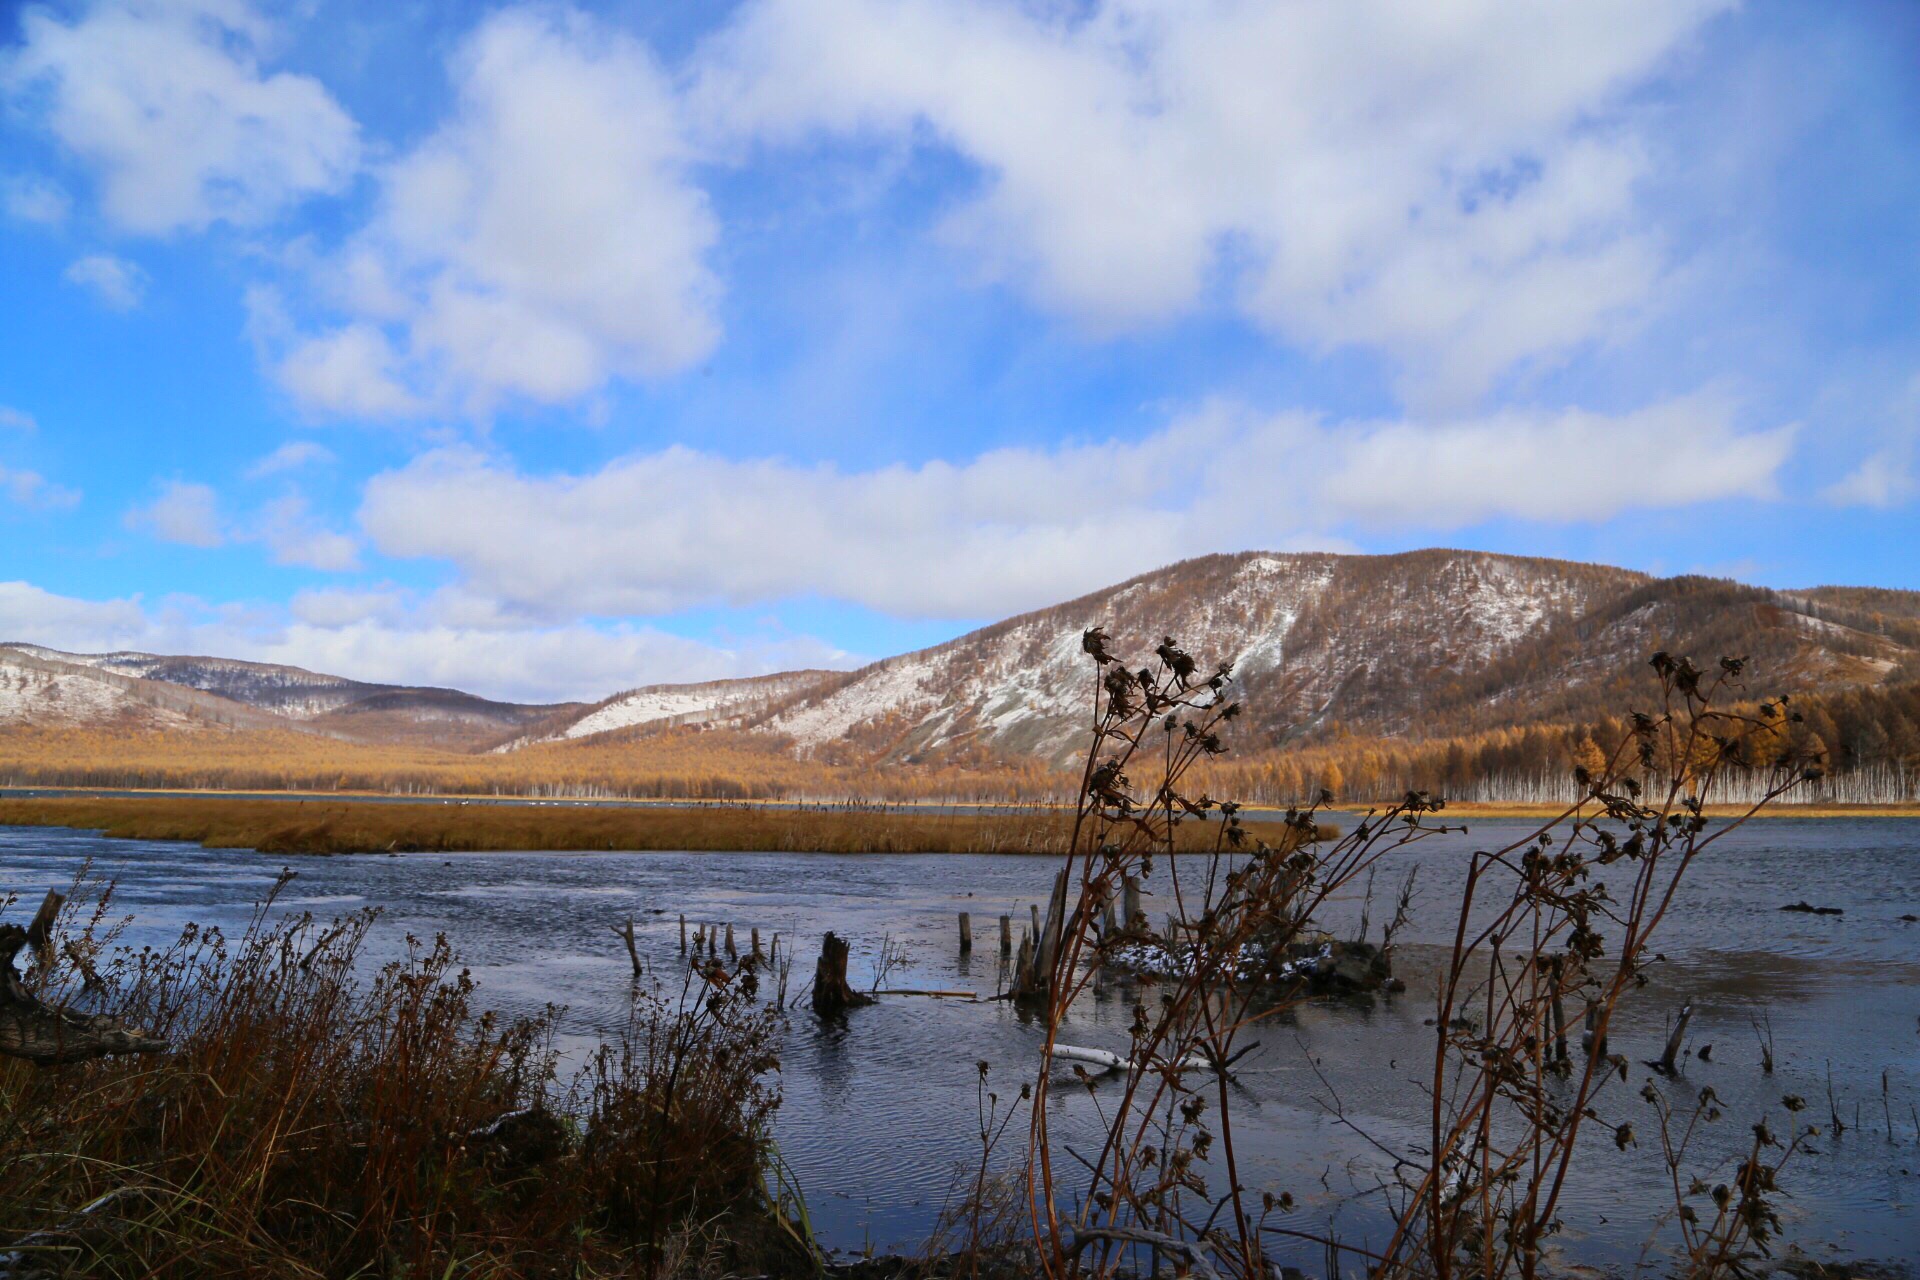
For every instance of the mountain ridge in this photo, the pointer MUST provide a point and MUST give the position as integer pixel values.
(1418, 644)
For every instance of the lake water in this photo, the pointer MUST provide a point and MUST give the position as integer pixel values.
(879, 1111)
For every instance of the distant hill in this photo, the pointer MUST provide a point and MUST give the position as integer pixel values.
(1427, 643)
(1331, 653)
(92, 688)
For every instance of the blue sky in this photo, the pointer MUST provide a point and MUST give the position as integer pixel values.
(547, 350)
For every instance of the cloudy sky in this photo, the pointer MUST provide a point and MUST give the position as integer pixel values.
(548, 350)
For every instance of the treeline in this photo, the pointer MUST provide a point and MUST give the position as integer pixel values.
(1869, 736)
(678, 764)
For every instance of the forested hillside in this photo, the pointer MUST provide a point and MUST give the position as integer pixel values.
(1481, 676)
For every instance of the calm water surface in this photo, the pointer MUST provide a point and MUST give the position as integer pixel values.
(880, 1112)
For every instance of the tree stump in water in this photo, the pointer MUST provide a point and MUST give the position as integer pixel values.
(831, 994)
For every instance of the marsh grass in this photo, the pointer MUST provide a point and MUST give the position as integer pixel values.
(320, 826)
(309, 1121)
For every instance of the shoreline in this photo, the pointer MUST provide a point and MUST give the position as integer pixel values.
(1807, 810)
(10, 793)
(324, 825)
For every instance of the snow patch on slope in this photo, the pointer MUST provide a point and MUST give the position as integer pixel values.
(67, 697)
(714, 702)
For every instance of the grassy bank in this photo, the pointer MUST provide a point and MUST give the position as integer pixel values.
(322, 826)
(303, 1122)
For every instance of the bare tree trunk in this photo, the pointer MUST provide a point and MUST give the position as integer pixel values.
(633, 952)
(49, 1033)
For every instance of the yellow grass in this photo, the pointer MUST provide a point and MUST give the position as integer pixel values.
(337, 826)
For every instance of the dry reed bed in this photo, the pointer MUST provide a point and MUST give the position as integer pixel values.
(312, 1120)
(323, 827)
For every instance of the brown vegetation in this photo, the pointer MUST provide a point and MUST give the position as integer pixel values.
(1537, 934)
(308, 1124)
(1869, 735)
(322, 826)
(302, 1123)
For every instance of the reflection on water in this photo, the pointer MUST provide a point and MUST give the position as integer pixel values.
(880, 1111)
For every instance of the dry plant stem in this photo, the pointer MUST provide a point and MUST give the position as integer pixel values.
(1502, 1082)
(1508, 1106)
(1251, 890)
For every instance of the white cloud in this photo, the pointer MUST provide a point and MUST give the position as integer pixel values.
(537, 664)
(544, 239)
(167, 101)
(1019, 528)
(351, 371)
(17, 419)
(1453, 184)
(1883, 479)
(291, 456)
(188, 513)
(116, 283)
(1886, 476)
(31, 489)
(31, 615)
(185, 513)
(332, 607)
(1565, 467)
(293, 537)
(33, 199)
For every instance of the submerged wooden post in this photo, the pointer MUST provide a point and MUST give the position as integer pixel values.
(831, 993)
(1035, 972)
(683, 933)
(1129, 902)
(1056, 923)
(731, 953)
(40, 931)
(755, 953)
(1006, 935)
(633, 952)
(1667, 1059)
(966, 933)
(1559, 1011)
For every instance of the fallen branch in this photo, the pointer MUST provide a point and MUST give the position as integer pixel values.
(1196, 1259)
(46, 1033)
(15, 1262)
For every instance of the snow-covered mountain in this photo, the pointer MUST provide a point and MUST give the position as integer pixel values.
(289, 697)
(45, 688)
(1422, 643)
(1427, 642)
(1312, 639)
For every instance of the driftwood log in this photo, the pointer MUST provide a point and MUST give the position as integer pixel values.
(45, 1033)
(831, 993)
